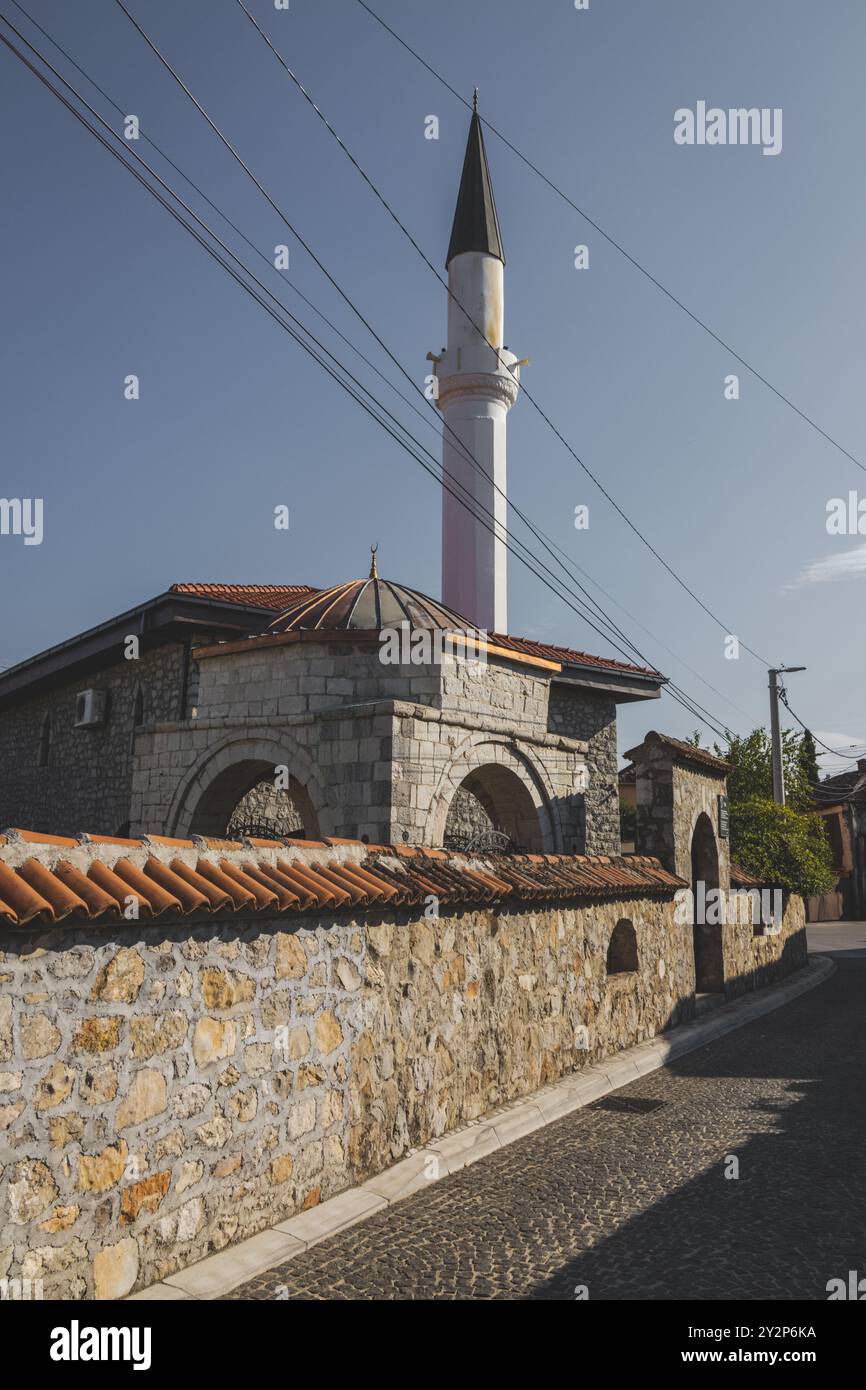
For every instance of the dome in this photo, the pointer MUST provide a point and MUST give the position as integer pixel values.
(367, 605)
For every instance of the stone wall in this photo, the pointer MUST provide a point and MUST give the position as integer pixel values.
(592, 717)
(381, 749)
(165, 1092)
(755, 960)
(271, 809)
(87, 780)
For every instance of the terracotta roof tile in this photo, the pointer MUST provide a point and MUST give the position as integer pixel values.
(276, 596)
(289, 876)
(99, 903)
(569, 656)
(216, 897)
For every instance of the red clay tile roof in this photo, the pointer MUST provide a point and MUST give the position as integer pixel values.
(276, 596)
(45, 880)
(369, 604)
(568, 656)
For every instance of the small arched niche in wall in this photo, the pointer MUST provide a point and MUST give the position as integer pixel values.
(622, 950)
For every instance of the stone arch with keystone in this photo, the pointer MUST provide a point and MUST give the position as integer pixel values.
(227, 770)
(510, 786)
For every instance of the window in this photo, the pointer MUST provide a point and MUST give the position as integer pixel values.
(45, 741)
(138, 707)
(622, 951)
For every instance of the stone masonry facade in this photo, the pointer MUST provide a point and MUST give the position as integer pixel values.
(87, 779)
(381, 750)
(165, 1092)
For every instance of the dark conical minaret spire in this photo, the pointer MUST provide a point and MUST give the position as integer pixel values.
(476, 226)
(477, 379)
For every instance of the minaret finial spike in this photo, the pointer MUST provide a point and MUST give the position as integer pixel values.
(374, 573)
(475, 100)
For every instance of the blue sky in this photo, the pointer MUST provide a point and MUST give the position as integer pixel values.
(233, 420)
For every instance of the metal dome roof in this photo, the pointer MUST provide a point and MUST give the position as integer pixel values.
(367, 605)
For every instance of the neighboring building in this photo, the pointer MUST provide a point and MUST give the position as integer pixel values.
(841, 802)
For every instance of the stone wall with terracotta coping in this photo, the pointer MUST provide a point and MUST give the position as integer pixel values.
(166, 1090)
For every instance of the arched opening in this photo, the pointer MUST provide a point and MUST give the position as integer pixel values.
(254, 798)
(622, 950)
(707, 934)
(492, 809)
(45, 741)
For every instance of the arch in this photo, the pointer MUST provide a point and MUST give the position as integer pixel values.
(622, 949)
(45, 742)
(506, 785)
(706, 935)
(226, 772)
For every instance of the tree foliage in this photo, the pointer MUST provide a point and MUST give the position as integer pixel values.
(809, 759)
(783, 847)
(752, 774)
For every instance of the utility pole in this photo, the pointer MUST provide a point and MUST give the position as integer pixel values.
(775, 732)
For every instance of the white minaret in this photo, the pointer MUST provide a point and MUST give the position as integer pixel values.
(477, 386)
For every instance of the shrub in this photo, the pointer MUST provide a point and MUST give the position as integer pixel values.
(782, 847)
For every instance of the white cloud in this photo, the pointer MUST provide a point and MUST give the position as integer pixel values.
(850, 564)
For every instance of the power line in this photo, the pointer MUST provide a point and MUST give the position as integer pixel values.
(280, 213)
(228, 221)
(478, 329)
(837, 753)
(688, 703)
(433, 424)
(533, 402)
(620, 248)
(244, 285)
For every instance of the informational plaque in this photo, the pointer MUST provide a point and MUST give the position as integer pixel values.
(723, 818)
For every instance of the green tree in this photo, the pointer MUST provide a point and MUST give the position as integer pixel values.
(784, 848)
(809, 759)
(752, 774)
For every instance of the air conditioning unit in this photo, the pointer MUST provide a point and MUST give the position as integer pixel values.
(91, 708)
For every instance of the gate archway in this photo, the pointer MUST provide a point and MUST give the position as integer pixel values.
(707, 936)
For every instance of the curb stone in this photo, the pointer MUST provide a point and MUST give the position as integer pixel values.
(219, 1274)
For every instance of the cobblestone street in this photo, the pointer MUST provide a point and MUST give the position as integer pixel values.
(632, 1201)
